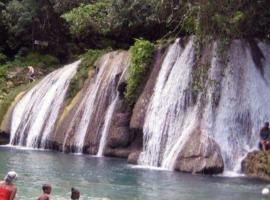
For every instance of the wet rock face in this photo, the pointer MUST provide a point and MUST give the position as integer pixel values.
(4, 138)
(201, 154)
(140, 109)
(257, 164)
(120, 135)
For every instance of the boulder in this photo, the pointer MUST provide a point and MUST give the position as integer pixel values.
(257, 164)
(133, 157)
(200, 154)
(120, 137)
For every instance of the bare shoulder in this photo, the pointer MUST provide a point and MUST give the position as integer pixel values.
(44, 197)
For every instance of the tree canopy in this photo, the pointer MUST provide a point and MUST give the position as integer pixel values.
(64, 27)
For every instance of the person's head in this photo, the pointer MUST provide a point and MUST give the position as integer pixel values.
(10, 177)
(266, 124)
(47, 189)
(75, 193)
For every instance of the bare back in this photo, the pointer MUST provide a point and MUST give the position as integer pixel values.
(44, 197)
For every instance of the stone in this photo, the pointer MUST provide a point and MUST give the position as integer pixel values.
(200, 154)
(4, 138)
(118, 152)
(257, 164)
(133, 157)
(120, 137)
(122, 119)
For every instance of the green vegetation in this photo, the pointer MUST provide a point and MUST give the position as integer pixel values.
(200, 75)
(141, 58)
(35, 59)
(3, 58)
(46, 33)
(88, 18)
(13, 75)
(6, 101)
(64, 28)
(87, 63)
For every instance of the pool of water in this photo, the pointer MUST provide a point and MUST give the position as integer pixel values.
(113, 179)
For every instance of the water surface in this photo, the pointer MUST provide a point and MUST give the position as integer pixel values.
(106, 178)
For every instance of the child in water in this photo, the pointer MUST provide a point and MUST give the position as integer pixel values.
(75, 194)
(47, 189)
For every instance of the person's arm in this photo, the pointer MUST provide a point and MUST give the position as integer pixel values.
(13, 194)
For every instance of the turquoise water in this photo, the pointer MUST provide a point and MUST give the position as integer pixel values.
(105, 178)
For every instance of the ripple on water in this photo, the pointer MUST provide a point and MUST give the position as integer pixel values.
(113, 179)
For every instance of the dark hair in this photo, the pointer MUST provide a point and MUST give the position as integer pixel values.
(46, 187)
(266, 124)
(75, 193)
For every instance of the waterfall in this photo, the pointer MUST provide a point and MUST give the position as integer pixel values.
(35, 115)
(167, 115)
(85, 128)
(231, 110)
(243, 106)
(106, 127)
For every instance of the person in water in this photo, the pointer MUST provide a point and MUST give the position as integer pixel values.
(8, 189)
(265, 137)
(47, 189)
(75, 194)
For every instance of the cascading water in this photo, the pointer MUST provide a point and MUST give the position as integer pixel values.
(100, 98)
(243, 106)
(106, 127)
(231, 110)
(166, 119)
(35, 115)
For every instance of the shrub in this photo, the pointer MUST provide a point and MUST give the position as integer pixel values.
(35, 59)
(10, 96)
(141, 57)
(90, 17)
(3, 58)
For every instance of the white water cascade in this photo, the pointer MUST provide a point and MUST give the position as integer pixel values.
(244, 103)
(168, 116)
(106, 126)
(35, 115)
(231, 111)
(100, 98)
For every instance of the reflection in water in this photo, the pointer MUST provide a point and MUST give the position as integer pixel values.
(103, 178)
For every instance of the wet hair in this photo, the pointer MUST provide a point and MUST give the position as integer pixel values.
(10, 177)
(46, 187)
(75, 193)
(266, 124)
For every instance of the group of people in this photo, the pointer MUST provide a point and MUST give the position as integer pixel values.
(8, 189)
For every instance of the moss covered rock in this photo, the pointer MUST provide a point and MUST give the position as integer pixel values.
(257, 164)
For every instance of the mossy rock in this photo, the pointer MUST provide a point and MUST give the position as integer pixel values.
(257, 164)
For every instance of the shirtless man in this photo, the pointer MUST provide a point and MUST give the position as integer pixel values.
(7, 187)
(47, 189)
(31, 73)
